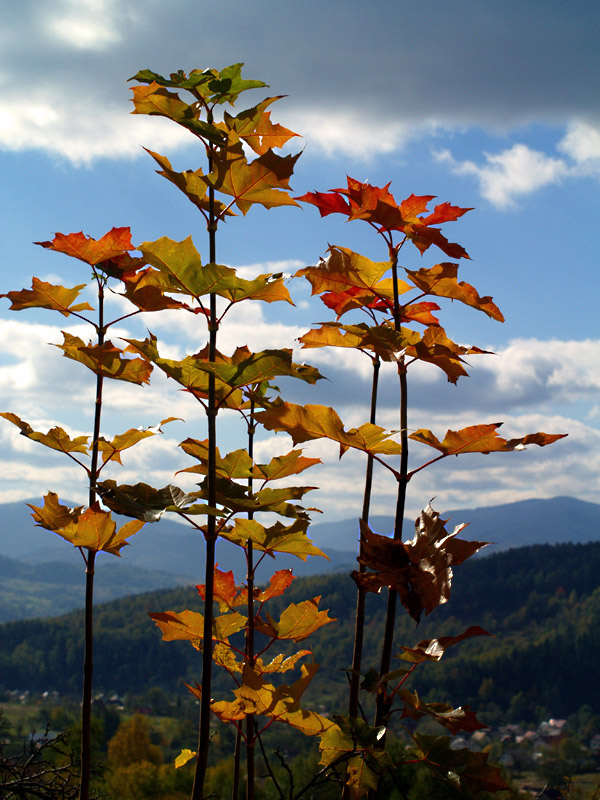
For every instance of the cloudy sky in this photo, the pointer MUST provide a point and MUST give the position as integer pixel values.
(492, 105)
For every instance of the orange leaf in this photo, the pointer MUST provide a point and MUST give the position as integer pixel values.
(297, 622)
(114, 243)
(107, 359)
(93, 529)
(322, 422)
(224, 589)
(481, 439)
(278, 583)
(55, 439)
(46, 295)
(264, 180)
(254, 126)
(441, 281)
(279, 538)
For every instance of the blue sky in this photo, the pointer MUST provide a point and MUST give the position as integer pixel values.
(490, 105)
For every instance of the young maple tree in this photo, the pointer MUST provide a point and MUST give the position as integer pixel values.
(238, 383)
(418, 572)
(234, 488)
(92, 529)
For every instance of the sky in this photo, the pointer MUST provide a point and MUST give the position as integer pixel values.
(490, 105)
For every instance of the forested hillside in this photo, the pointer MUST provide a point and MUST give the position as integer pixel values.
(542, 603)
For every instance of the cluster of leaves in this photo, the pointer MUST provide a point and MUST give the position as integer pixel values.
(243, 170)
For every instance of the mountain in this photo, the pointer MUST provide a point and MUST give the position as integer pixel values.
(44, 574)
(541, 603)
(551, 521)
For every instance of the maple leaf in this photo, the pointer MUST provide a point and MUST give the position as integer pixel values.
(441, 281)
(111, 450)
(278, 583)
(481, 439)
(55, 439)
(141, 501)
(106, 359)
(420, 570)
(47, 295)
(291, 463)
(189, 626)
(254, 126)
(158, 101)
(297, 622)
(114, 243)
(291, 539)
(471, 770)
(434, 347)
(304, 423)
(52, 515)
(434, 649)
(224, 590)
(355, 279)
(93, 528)
(141, 292)
(377, 206)
(264, 180)
(352, 741)
(453, 719)
(192, 184)
(236, 464)
(210, 84)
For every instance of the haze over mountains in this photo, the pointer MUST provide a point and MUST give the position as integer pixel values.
(42, 575)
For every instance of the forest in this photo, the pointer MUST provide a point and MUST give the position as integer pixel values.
(540, 603)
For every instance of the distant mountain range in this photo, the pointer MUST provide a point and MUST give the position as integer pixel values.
(42, 575)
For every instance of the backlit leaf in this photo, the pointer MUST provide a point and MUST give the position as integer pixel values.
(184, 757)
(189, 626)
(114, 243)
(481, 439)
(254, 126)
(264, 180)
(297, 622)
(304, 423)
(357, 280)
(47, 295)
(111, 450)
(441, 281)
(156, 100)
(278, 538)
(292, 463)
(278, 583)
(106, 359)
(93, 528)
(224, 589)
(192, 184)
(53, 515)
(55, 439)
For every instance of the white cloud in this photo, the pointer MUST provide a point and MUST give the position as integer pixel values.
(352, 90)
(582, 145)
(83, 24)
(514, 172)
